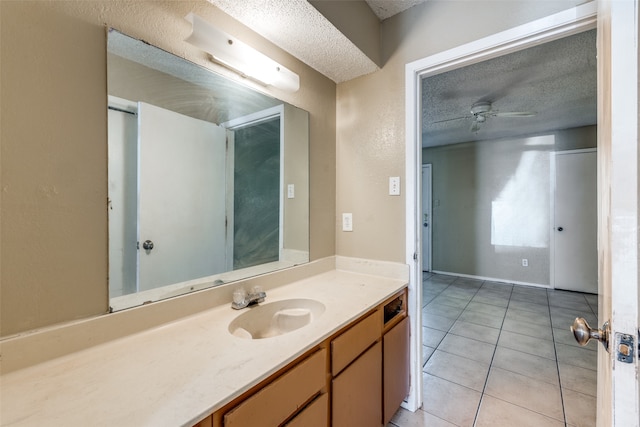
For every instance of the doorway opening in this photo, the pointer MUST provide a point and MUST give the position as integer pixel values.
(566, 23)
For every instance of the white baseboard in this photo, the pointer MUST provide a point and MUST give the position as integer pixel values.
(493, 279)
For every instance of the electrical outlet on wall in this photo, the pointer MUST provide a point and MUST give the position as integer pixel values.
(525, 262)
(394, 185)
(347, 222)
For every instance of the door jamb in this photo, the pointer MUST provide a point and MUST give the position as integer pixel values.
(562, 24)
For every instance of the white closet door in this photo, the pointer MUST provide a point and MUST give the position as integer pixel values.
(576, 222)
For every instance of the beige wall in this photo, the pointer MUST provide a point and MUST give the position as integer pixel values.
(470, 183)
(53, 136)
(371, 117)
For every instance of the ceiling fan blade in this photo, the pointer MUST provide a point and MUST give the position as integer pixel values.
(516, 114)
(450, 120)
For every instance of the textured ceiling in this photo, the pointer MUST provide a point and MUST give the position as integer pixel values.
(387, 8)
(298, 28)
(557, 80)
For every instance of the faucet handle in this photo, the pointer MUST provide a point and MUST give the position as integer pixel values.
(257, 294)
(239, 295)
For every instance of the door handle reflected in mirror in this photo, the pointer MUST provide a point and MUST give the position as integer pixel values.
(560, 228)
(147, 245)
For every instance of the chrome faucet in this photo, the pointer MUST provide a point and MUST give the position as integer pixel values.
(242, 299)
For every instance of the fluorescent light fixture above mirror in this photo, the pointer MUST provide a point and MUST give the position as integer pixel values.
(240, 57)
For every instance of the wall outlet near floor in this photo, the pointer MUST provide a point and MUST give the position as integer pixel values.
(525, 262)
(347, 222)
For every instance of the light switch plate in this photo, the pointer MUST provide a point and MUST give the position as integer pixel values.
(394, 185)
(347, 222)
(291, 191)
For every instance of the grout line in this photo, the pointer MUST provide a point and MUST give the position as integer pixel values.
(509, 298)
(555, 351)
(486, 380)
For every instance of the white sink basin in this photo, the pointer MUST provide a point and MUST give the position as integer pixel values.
(275, 318)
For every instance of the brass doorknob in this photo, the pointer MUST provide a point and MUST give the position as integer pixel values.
(583, 333)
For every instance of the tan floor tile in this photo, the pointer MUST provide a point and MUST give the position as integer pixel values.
(437, 322)
(525, 316)
(484, 319)
(432, 337)
(442, 310)
(449, 301)
(498, 413)
(491, 298)
(449, 401)
(468, 348)
(420, 418)
(475, 331)
(527, 328)
(526, 364)
(457, 369)
(480, 307)
(535, 395)
(577, 356)
(527, 344)
(580, 409)
(578, 379)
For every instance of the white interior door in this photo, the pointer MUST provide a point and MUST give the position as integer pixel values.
(575, 254)
(181, 197)
(618, 382)
(426, 217)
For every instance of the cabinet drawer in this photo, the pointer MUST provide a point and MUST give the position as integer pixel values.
(316, 414)
(349, 345)
(280, 399)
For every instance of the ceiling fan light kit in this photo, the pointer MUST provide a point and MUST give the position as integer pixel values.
(480, 108)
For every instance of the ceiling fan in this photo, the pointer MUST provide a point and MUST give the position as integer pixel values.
(481, 111)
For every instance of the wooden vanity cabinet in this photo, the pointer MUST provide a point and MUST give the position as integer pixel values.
(396, 368)
(357, 377)
(207, 422)
(356, 366)
(278, 401)
(315, 414)
(396, 365)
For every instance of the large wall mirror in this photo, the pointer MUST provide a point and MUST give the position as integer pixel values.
(208, 179)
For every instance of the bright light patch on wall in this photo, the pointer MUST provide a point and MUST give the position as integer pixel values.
(239, 56)
(543, 140)
(520, 214)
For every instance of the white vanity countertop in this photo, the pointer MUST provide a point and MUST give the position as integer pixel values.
(179, 372)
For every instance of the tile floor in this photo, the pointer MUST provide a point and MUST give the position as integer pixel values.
(502, 355)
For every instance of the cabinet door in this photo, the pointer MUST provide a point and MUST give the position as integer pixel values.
(356, 392)
(316, 414)
(396, 368)
(350, 344)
